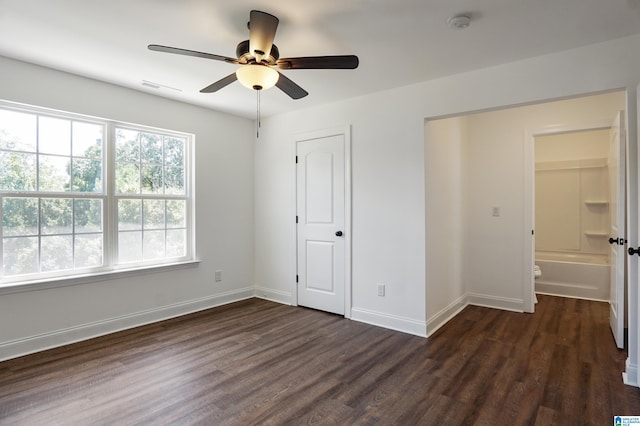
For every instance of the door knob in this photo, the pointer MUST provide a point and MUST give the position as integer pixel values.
(338, 233)
(619, 241)
(633, 251)
(612, 240)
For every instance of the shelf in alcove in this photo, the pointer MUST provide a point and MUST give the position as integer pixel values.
(596, 202)
(598, 234)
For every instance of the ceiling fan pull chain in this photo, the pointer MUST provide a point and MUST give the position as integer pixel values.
(258, 115)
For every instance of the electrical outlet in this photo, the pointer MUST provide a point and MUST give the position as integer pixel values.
(218, 276)
(381, 290)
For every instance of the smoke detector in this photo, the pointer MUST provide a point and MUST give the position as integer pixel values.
(459, 22)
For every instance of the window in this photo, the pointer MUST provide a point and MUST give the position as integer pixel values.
(150, 194)
(80, 195)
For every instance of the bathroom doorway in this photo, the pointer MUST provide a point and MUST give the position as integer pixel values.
(579, 204)
(572, 213)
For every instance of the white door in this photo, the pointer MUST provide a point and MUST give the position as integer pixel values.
(617, 234)
(321, 231)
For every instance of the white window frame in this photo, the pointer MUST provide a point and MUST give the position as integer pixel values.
(110, 269)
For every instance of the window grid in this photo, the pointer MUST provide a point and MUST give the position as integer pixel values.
(75, 194)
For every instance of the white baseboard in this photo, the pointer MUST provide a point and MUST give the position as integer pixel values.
(278, 296)
(32, 344)
(393, 322)
(442, 317)
(630, 375)
(505, 303)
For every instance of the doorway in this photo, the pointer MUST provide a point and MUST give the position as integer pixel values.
(572, 204)
(584, 254)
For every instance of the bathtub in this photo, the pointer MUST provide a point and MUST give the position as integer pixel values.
(585, 276)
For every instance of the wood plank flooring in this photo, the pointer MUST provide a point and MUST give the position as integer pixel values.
(258, 362)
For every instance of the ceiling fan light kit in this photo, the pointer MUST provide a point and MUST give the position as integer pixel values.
(257, 76)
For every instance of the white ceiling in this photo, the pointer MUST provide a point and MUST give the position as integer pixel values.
(399, 42)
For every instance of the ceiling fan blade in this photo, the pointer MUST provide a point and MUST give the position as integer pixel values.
(262, 31)
(178, 51)
(223, 82)
(319, 62)
(290, 88)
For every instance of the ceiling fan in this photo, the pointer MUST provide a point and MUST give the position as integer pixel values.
(259, 60)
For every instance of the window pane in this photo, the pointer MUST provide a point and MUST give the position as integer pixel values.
(17, 131)
(17, 171)
(154, 214)
(20, 255)
(88, 250)
(19, 216)
(127, 178)
(150, 148)
(87, 175)
(174, 180)
(129, 215)
(176, 213)
(55, 216)
(127, 146)
(174, 152)
(54, 173)
(54, 136)
(153, 245)
(88, 216)
(176, 242)
(87, 140)
(56, 253)
(129, 246)
(151, 177)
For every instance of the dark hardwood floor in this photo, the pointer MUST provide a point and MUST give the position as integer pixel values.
(258, 362)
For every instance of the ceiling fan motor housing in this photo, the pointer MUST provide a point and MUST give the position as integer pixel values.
(245, 57)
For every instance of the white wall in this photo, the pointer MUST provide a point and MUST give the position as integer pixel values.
(496, 178)
(573, 146)
(445, 189)
(486, 252)
(388, 168)
(32, 320)
(387, 206)
(388, 211)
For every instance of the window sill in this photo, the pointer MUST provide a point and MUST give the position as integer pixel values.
(42, 284)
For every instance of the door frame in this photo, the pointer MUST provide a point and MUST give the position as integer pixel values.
(631, 375)
(345, 132)
(529, 196)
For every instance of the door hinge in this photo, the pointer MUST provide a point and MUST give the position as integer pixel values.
(296, 159)
(296, 278)
(296, 219)
(532, 232)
